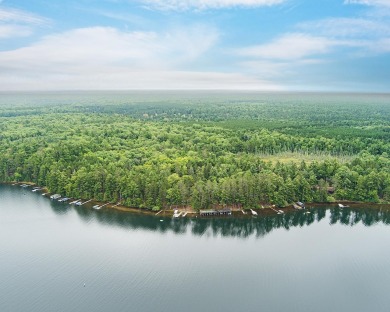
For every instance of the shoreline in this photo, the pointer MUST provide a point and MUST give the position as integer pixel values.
(268, 210)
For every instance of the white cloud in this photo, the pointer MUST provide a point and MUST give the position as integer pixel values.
(11, 31)
(108, 46)
(346, 27)
(106, 58)
(19, 16)
(289, 47)
(108, 79)
(181, 5)
(369, 2)
(18, 23)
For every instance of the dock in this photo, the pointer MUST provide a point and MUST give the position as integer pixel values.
(184, 214)
(212, 212)
(176, 213)
(277, 211)
(158, 212)
(99, 207)
(80, 203)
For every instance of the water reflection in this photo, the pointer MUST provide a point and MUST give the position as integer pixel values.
(232, 226)
(225, 226)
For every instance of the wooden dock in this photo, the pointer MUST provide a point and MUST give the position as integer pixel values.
(277, 211)
(212, 212)
(177, 214)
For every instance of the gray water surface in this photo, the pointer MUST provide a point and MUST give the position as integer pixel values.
(329, 260)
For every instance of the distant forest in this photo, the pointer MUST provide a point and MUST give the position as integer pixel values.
(161, 150)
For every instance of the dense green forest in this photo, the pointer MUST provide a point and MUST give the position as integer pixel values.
(155, 150)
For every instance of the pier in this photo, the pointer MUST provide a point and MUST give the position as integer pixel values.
(99, 207)
(277, 211)
(212, 212)
(176, 213)
(80, 203)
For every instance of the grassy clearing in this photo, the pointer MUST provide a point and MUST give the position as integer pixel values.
(288, 157)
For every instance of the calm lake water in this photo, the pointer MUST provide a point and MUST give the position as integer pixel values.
(330, 260)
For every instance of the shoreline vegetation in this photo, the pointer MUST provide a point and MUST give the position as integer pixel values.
(205, 151)
(265, 210)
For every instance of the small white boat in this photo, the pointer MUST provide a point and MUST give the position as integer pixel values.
(176, 213)
(96, 207)
(254, 213)
(55, 196)
(342, 206)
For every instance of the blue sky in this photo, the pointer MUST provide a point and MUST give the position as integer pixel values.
(287, 45)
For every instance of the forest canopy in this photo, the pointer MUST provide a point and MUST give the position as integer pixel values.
(156, 150)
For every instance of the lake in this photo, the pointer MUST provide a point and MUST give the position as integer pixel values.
(57, 257)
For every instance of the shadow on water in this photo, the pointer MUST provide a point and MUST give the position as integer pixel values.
(233, 226)
(224, 226)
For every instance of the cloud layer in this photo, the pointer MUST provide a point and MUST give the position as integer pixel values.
(18, 23)
(180, 5)
(106, 58)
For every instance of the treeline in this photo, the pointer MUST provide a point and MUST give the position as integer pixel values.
(157, 164)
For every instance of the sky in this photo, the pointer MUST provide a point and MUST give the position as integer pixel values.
(264, 45)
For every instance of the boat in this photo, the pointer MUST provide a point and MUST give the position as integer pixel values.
(61, 200)
(55, 196)
(342, 206)
(176, 213)
(96, 207)
(254, 213)
(300, 204)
